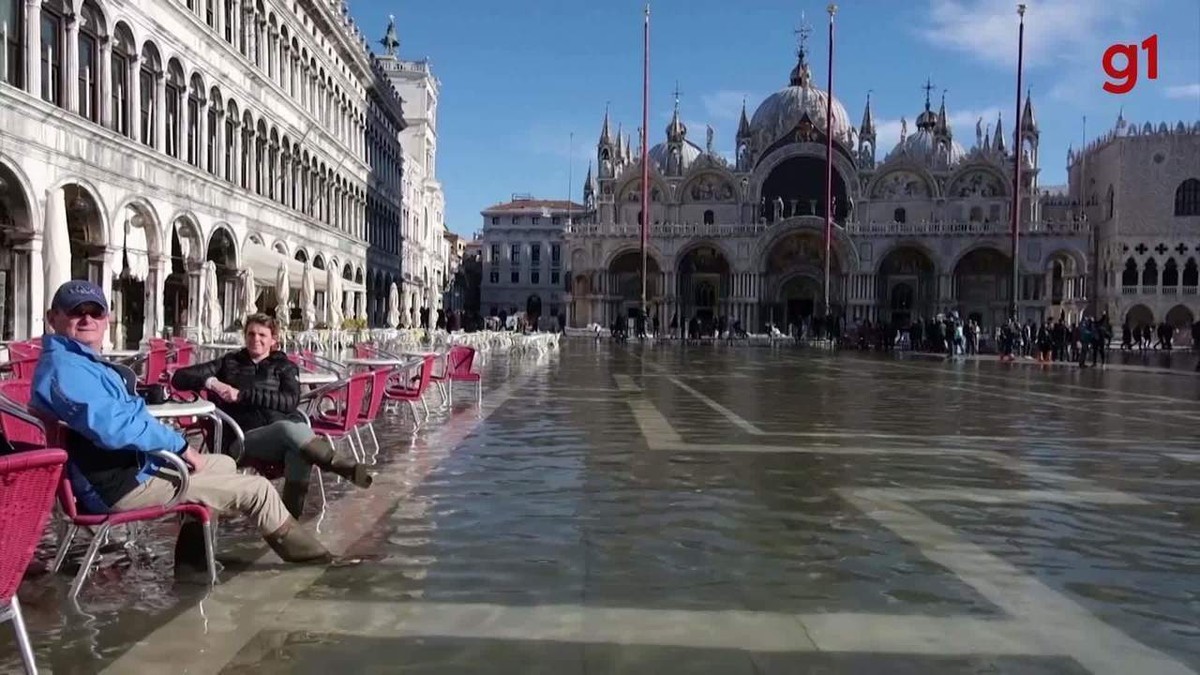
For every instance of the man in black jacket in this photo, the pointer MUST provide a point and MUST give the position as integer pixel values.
(259, 388)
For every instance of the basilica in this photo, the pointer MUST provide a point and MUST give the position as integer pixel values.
(919, 229)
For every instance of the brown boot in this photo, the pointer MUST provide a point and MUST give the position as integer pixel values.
(321, 453)
(292, 543)
(294, 495)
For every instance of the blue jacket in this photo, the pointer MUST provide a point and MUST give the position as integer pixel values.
(72, 384)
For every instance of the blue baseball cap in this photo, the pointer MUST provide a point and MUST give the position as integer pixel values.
(77, 292)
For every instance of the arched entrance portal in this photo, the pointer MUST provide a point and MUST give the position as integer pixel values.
(907, 286)
(981, 283)
(134, 237)
(625, 277)
(182, 286)
(703, 285)
(797, 188)
(794, 279)
(222, 252)
(1139, 316)
(1181, 318)
(15, 217)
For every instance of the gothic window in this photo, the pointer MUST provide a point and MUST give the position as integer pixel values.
(1191, 274)
(1187, 198)
(709, 218)
(231, 135)
(1150, 273)
(230, 13)
(1110, 202)
(91, 33)
(1170, 275)
(1130, 276)
(123, 54)
(209, 17)
(12, 15)
(54, 27)
(151, 70)
(900, 216)
(210, 142)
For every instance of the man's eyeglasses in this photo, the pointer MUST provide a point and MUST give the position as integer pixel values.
(88, 309)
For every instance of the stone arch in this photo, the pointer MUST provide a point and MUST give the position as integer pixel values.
(81, 188)
(982, 282)
(958, 186)
(652, 253)
(843, 247)
(841, 164)
(280, 246)
(254, 238)
(890, 183)
(222, 237)
(301, 254)
(906, 283)
(1180, 317)
(1139, 315)
(152, 223)
(725, 189)
(10, 169)
(1073, 262)
(913, 244)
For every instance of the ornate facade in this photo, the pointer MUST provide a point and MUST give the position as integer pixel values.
(921, 229)
(174, 134)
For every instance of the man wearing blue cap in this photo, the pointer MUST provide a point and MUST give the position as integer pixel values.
(109, 467)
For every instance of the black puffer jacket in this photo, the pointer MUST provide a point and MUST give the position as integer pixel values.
(268, 391)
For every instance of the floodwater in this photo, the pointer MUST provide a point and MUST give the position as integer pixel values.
(709, 509)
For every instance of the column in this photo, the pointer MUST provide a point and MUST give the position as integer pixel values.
(195, 276)
(33, 61)
(111, 256)
(29, 309)
(156, 285)
(202, 134)
(160, 112)
(70, 66)
(104, 72)
(134, 94)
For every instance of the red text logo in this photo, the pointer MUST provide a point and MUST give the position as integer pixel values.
(1121, 65)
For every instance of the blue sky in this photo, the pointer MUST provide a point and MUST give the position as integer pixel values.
(519, 76)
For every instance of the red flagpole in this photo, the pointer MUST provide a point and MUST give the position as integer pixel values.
(832, 9)
(1016, 196)
(645, 149)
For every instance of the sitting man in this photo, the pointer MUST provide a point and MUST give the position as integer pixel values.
(109, 467)
(259, 388)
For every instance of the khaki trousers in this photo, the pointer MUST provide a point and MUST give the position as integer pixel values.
(218, 486)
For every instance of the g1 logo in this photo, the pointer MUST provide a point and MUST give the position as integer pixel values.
(1125, 78)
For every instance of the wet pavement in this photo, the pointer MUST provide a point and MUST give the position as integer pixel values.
(712, 509)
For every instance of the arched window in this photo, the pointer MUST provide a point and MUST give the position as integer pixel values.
(147, 91)
(1150, 273)
(231, 134)
(247, 148)
(175, 88)
(12, 14)
(215, 107)
(976, 214)
(195, 106)
(1187, 198)
(1130, 276)
(123, 55)
(1170, 275)
(92, 32)
(54, 42)
(709, 217)
(1191, 274)
(1110, 202)
(230, 15)
(900, 216)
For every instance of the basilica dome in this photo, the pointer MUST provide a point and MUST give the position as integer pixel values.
(779, 114)
(660, 156)
(932, 143)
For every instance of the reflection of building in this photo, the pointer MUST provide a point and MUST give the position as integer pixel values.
(522, 256)
(422, 220)
(919, 230)
(1143, 196)
(179, 133)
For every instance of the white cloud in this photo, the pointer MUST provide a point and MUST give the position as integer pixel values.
(725, 104)
(1056, 31)
(1184, 91)
(962, 124)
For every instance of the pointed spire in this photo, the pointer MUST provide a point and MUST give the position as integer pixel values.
(390, 42)
(867, 128)
(606, 130)
(743, 123)
(998, 139)
(628, 153)
(801, 77)
(987, 139)
(621, 156)
(943, 124)
(676, 131)
(1028, 121)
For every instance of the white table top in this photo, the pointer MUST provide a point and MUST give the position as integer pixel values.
(317, 378)
(218, 346)
(377, 362)
(193, 409)
(120, 353)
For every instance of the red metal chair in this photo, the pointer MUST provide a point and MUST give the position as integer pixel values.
(458, 369)
(27, 483)
(403, 393)
(21, 433)
(374, 399)
(340, 423)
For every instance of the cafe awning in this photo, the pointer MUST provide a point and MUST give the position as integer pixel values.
(264, 262)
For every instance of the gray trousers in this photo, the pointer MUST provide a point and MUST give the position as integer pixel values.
(280, 443)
